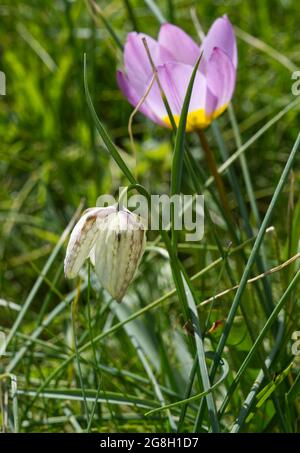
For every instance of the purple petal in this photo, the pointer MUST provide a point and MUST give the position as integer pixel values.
(130, 91)
(221, 75)
(136, 60)
(174, 78)
(221, 35)
(211, 102)
(179, 45)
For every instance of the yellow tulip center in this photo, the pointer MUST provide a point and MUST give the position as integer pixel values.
(198, 119)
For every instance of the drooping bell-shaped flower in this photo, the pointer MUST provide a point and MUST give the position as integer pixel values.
(174, 55)
(114, 240)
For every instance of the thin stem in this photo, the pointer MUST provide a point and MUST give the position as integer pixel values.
(77, 354)
(210, 159)
(244, 165)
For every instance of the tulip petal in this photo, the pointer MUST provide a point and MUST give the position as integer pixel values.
(174, 78)
(137, 64)
(181, 47)
(221, 75)
(174, 56)
(221, 35)
(129, 89)
(139, 73)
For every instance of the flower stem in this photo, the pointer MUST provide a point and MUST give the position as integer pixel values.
(214, 171)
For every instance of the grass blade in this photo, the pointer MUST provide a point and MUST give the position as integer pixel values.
(111, 148)
(253, 254)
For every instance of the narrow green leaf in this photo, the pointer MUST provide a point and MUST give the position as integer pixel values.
(254, 252)
(178, 155)
(111, 148)
(225, 369)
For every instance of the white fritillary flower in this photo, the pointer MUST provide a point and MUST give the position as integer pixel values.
(114, 240)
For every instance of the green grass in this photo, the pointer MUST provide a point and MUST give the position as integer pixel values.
(75, 359)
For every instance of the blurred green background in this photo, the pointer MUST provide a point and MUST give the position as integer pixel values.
(51, 156)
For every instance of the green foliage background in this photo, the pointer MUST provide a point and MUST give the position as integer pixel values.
(52, 159)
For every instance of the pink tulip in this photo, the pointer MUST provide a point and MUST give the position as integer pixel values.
(174, 55)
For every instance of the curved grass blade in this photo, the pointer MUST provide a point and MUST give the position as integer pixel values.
(212, 412)
(156, 303)
(156, 11)
(254, 252)
(225, 370)
(111, 148)
(152, 378)
(178, 155)
(40, 279)
(255, 137)
(263, 332)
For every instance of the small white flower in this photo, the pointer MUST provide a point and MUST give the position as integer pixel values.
(114, 240)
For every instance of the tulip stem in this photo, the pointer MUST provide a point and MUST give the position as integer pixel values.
(214, 171)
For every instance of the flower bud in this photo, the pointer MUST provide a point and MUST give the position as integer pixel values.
(114, 240)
